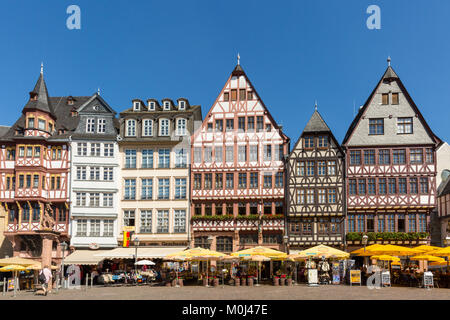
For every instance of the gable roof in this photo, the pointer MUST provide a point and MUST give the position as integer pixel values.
(389, 75)
(92, 98)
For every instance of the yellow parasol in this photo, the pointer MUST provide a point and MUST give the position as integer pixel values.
(12, 267)
(260, 251)
(295, 257)
(396, 263)
(441, 263)
(385, 258)
(391, 249)
(17, 261)
(443, 252)
(426, 257)
(323, 251)
(371, 248)
(426, 248)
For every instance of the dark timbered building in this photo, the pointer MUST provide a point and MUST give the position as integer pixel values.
(315, 196)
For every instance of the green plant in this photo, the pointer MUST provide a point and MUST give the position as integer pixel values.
(208, 218)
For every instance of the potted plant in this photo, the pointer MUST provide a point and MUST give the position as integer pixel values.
(276, 280)
(237, 281)
(282, 280)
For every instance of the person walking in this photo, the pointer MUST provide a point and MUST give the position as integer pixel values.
(45, 276)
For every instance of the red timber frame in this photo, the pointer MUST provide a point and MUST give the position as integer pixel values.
(268, 217)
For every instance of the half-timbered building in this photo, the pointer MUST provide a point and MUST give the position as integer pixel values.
(315, 188)
(34, 177)
(391, 165)
(237, 172)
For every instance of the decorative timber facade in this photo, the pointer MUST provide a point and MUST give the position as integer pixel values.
(315, 188)
(391, 163)
(237, 172)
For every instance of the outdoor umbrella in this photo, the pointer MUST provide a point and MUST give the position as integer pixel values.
(370, 249)
(324, 251)
(260, 251)
(427, 249)
(258, 259)
(13, 268)
(17, 261)
(145, 263)
(443, 252)
(385, 258)
(426, 257)
(390, 249)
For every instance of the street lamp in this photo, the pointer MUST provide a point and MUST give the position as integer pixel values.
(136, 244)
(285, 240)
(210, 240)
(63, 247)
(364, 241)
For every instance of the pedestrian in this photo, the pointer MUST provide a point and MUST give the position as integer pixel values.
(45, 277)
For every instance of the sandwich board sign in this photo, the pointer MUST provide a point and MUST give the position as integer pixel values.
(428, 280)
(312, 278)
(355, 277)
(386, 279)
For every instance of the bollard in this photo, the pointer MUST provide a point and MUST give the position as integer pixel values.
(87, 280)
(4, 286)
(57, 283)
(92, 280)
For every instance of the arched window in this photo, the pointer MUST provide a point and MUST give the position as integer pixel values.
(164, 127)
(147, 128)
(131, 128)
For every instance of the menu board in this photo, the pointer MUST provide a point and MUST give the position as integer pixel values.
(355, 277)
(428, 280)
(312, 277)
(386, 278)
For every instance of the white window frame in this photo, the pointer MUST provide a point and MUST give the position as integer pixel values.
(101, 125)
(151, 105)
(161, 127)
(90, 125)
(147, 128)
(166, 105)
(181, 127)
(182, 105)
(136, 106)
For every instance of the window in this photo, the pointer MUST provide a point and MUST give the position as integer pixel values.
(321, 196)
(242, 153)
(300, 168)
(392, 185)
(382, 185)
(197, 181)
(241, 124)
(151, 105)
(164, 127)
(180, 158)
(371, 186)
(322, 142)
(229, 156)
(147, 128)
(384, 157)
(307, 226)
(163, 221)
(429, 155)
(413, 188)
(273, 238)
(376, 126)
(402, 185)
(197, 155)
(136, 106)
(242, 182)
(233, 94)
(242, 93)
(300, 196)
(321, 168)
(130, 189)
(381, 224)
(130, 158)
(332, 168)
(355, 157)
(360, 223)
(219, 125)
(36, 216)
(362, 187)
(401, 227)
(147, 158)
(81, 173)
(101, 126)
(309, 142)
(422, 223)
(230, 125)
(279, 180)
(131, 128)
(81, 199)
(108, 150)
(95, 149)
(229, 209)
(219, 181)
(21, 184)
(146, 221)
(94, 228)
(385, 98)
(164, 158)
(250, 124)
(395, 98)
(30, 152)
(10, 153)
(310, 165)
(180, 221)
(202, 242)
(399, 156)
(224, 244)
(81, 227)
(147, 189)
(94, 200)
(267, 180)
(253, 153)
(180, 188)
(416, 156)
(253, 208)
(253, 180)
(108, 228)
(229, 184)
(181, 127)
(36, 181)
(411, 223)
(108, 200)
(280, 152)
(30, 122)
(405, 125)
(208, 209)
(21, 152)
(369, 157)
(267, 152)
(310, 196)
(208, 181)
(242, 209)
(331, 196)
(218, 154)
(166, 105)
(259, 123)
(95, 173)
(424, 185)
(323, 226)
(207, 154)
(248, 238)
(268, 127)
(249, 95)
(391, 223)
(128, 218)
(163, 188)
(352, 187)
(181, 105)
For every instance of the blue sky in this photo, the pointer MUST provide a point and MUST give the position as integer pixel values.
(293, 51)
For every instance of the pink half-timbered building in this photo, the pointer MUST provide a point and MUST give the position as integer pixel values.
(34, 176)
(391, 166)
(237, 172)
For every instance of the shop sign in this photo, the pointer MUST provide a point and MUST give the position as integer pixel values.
(386, 278)
(312, 277)
(355, 277)
(428, 280)
(128, 228)
(94, 246)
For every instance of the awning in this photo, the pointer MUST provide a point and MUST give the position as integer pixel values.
(84, 257)
(142, 252)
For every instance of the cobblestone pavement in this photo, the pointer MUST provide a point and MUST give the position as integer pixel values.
(264, 292)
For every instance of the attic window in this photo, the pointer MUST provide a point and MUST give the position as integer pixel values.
(74, 113)
(182, 105)
(226, 96)
(166, 105)
(385, 98)
(249, 95)
(70, 101)
(33, 96)
(151, 105)
(395, 98)
(136, 106)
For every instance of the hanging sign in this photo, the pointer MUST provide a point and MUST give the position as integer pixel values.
(126, 239)
(355, 277)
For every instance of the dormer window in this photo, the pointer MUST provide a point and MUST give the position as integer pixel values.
(50, 127)
(136, 106)
(41, 124)
(182, 105)
(164, 127)
(70, 101)
(131, 128)
(90, 125)
(30, 122)
(166, 105)
(151, 105)
(101, 126)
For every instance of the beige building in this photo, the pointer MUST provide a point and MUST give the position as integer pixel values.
(154, 148)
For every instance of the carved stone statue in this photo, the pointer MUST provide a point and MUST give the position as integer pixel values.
(47, 219)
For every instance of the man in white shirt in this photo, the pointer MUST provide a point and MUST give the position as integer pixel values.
(48, 279)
